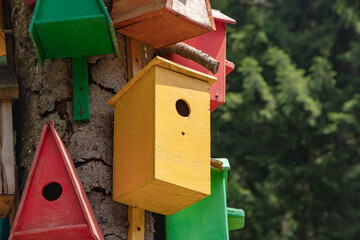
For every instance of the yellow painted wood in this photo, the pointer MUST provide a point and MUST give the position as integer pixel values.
(136, 223)
(162, 159)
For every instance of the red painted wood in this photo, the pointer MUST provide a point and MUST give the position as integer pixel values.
(214, 44)
(70, 216)
(30, 3)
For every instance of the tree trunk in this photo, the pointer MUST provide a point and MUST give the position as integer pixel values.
(46, 93)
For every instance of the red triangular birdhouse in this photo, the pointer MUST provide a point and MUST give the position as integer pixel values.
(54, 204)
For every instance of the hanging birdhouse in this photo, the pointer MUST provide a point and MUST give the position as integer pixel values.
(214, 44)
(73, 29)
(161, 23)
(54, 204)
(162, 138)
(209, 218)
(9, 89)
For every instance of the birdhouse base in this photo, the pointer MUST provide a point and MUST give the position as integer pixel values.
(6, 202)
(158, 194)
(81, 232)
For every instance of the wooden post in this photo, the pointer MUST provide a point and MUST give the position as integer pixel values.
(8, 90)
(136, 216)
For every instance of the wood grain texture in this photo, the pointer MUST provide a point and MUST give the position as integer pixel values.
(133, 54)
(7, 148)
(157, 24)
(136, 223)
(7, 161)
(9, 88)
(5, 204)
(161, 156)
(136, 216)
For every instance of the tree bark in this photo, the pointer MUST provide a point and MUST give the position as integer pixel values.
(46, 93)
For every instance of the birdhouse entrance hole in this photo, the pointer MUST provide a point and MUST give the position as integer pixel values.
(182, 108)
(52, 191)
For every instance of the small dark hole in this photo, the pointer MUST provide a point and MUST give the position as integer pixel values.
(183, 133)
(139, 229)
(182, 108)
(52, 191)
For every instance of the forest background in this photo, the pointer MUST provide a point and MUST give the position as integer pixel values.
(290, 126)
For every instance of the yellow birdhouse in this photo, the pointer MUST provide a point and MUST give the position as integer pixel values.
(162, 138)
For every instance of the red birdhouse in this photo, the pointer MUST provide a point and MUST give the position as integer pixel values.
(54, 204)
(214, 44)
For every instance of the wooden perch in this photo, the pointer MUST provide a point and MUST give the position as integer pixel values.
(217, 164)
(193, 54)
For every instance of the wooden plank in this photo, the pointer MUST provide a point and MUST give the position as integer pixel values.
(81, 102)
(136, 223)
(7, 151)
(136, 216)
(133, 53)
(7, 164)
(5, 205)
(9, 87)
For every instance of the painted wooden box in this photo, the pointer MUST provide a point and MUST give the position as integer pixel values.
(9, 90)
(159, 23)
(54, 205)
(209, 218)
(162, 138)
(73, 29)
(214, 44)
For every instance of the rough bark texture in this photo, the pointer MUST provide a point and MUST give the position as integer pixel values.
(46, 93)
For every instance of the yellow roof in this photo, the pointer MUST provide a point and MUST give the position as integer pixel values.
(162, 62)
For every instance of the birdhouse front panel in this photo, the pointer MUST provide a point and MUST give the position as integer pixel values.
(162, 138)
(71, 29)
(214, 44)
(182, 130)
(161, 23)
(54, 205)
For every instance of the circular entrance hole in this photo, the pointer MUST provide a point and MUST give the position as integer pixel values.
(52, 191)
(182, 108)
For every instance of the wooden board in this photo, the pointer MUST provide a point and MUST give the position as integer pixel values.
(7, 161)
(162, 23)
(136, 216)
(9, 88)
(5, 204)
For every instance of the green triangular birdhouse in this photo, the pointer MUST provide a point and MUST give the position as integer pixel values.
(73, 29)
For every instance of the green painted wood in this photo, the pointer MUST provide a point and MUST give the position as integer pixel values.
(236, 218)
(73, 29)
(81, 104)
(208, 218)
(3, 61)
(67, 29)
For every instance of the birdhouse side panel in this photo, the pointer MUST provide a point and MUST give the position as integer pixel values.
(206, 219)
(133, 165)
(182, 149)
(124, 11)
(59, 41)
(162, 197)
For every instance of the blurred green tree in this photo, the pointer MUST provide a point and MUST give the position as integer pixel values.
(290, 125)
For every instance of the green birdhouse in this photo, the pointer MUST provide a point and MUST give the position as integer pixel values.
(209, 218)
(73, 29)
